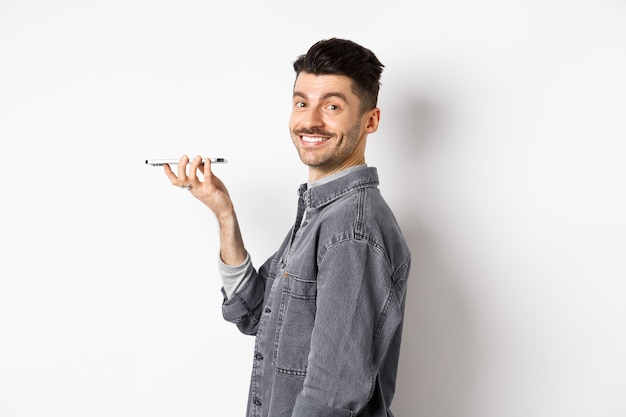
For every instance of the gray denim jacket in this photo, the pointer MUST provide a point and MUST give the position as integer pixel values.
(327, 308)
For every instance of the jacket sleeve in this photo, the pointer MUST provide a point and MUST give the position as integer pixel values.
(243, 308)
(358, 312)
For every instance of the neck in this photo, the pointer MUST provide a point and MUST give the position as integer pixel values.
(317, 174)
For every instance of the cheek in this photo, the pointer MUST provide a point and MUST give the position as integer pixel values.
(293, 121)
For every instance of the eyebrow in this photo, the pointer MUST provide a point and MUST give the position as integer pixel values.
(324, 97)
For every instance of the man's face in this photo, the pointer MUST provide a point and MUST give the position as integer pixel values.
(326, 124)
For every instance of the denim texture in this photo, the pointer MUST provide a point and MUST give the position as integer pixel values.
(327, 308)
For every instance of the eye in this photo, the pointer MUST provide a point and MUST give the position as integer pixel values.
(333, 107)
(299, 104)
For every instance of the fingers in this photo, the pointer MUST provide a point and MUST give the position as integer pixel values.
(188, 179)
(207, 168)
(181, 179)
(169, 173)
(182, 169)
(194, 167)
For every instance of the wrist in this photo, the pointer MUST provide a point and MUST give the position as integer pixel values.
(227, 217)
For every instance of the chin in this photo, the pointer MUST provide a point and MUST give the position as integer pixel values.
(311, 162)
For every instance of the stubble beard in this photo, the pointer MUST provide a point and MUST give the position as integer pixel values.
(333, 156)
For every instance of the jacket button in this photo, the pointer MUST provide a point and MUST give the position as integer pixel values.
(286, 274)
(256, 401)
(258, 356)
(268, 310)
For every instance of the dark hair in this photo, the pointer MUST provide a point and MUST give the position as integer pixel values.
(343, 57)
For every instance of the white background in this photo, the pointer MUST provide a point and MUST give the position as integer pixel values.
(501, 149)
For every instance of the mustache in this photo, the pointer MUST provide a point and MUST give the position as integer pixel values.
(312, 132)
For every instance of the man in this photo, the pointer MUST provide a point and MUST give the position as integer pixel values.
(327, 307)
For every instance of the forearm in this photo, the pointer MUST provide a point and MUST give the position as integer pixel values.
(232, 249)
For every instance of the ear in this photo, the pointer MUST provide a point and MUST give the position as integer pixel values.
(372, 120)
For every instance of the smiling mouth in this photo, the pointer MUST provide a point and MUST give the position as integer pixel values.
(313, 139)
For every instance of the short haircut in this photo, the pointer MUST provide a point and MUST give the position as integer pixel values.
(344, 57)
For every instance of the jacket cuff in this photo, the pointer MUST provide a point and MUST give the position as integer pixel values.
(234, 309)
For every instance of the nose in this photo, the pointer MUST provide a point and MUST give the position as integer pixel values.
(312, 118)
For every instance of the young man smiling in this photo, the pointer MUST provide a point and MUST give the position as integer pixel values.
(327, 308)
(328, 126)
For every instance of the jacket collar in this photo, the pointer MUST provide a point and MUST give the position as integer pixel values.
(329, 189)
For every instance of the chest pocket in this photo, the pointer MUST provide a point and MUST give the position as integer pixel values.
(295, 325)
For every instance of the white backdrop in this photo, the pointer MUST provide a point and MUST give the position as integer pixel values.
(501, 149)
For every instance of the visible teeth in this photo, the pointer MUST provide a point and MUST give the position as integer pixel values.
(313, 139)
